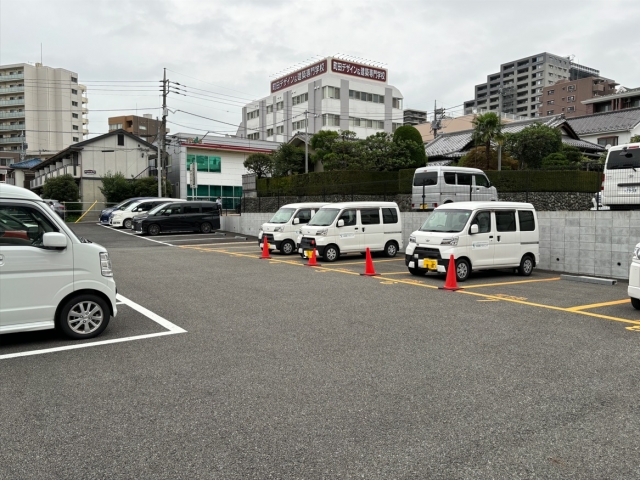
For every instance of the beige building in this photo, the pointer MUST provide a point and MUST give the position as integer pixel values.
(145, 127)
(457, 124)
(42, 110)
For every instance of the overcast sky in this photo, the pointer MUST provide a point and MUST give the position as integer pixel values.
(231, 49)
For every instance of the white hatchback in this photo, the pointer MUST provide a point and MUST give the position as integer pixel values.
(634, 278)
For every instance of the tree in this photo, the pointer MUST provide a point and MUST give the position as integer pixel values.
(380, 152)
(322, 144)
(413, 142)
(63, 188)
(148, 187)
(635, 139)
(573, 154)
(345, 153)
(477, 158)
(116, 188)
(487, 128)
(557, 161)
(259, 163)
(287, 160)
(533, 143)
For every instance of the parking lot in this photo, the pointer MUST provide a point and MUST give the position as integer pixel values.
(221, 365)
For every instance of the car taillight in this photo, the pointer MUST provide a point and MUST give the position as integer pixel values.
(62, 207)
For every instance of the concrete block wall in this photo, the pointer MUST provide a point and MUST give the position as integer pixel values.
(596, 243)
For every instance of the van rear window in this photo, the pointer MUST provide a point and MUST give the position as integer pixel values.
(624, 159)
(425, 178)
(527, 222)
(389, 215)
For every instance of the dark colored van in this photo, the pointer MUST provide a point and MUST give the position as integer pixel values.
(179, 217)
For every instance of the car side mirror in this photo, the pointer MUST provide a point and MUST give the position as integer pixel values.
(341, 223)
(54, 240)
(474, 229)
(296, 221)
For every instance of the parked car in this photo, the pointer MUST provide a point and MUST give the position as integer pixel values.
(479, 235)
(621, 185)
(282, 230)
(103, 218)
(123, 217)
(56, 206)
(179, 217)
(49, 277)
(634, 278)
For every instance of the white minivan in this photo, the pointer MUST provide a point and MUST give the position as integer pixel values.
(348, 227)
(634, 279)
(437, 185)
(49, 277)
(480, 236)
(123, 217)
(621, 185)
(283, 229)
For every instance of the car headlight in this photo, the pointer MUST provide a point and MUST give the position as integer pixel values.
(412, 239)
(322, 232)
(279, 229)
(105, 265)
(636, 253)
(453, 241)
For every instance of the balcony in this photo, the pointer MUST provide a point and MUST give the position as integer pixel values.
(16, 126)
(598, 88)
(9, 78)
(19, 101)
(42, 177)
(19, 139)
(11, 90)
(12, 114)
(85, 100)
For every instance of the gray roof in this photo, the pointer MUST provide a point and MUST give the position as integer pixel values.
(32, 162)
(616, 121)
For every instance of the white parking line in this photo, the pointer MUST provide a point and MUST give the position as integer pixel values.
(199, 239)
(171, 328)
(138, 236)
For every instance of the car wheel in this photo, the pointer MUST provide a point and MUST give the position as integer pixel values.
(417, 272)
(205, 227)
(127, 223)
(287, 247)
(526, 266)
(391, 249)
(636, 303)
(463, 270)
(153, 230)
(331, 253)
(84, 316)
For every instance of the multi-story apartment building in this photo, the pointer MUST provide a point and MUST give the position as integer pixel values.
(518, 87)
(145, 127)
(330, 94)
(623, 99)
(42, 110)
(415, 117)
(566, 96)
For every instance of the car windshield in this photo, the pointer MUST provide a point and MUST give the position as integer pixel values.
(629, 158)
(449, 221)
(282, 216)
(156, 209)
(131, 206)
(324, 217)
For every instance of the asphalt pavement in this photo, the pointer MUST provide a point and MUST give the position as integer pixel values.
(278, 370)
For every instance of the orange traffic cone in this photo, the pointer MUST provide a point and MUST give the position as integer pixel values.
(265, 249)
(369, 271)
(312, 260)
(451, 283)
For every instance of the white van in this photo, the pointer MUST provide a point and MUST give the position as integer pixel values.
(634, 278)
(49, 277)
(282, 230)
(123, 217)
(352, 227)
(480, 236)
(622, 177)
(437, 185)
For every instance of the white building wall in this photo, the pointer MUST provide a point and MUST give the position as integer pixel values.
(623, 136)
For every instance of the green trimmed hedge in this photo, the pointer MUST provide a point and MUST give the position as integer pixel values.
(545, 180)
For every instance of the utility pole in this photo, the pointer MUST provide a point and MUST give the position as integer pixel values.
(162, 130)
(438, 113)
(306, 141)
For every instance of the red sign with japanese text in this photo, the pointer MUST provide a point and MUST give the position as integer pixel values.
(348, 68)
(299, 76)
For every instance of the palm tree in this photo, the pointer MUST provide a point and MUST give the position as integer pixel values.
(487, 128)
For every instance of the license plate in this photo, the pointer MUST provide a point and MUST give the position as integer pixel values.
(424, 206)
(631, 190)
(430, 264)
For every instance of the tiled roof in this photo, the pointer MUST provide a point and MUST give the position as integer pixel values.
(582, 144)
(32, 162)
(616, 121)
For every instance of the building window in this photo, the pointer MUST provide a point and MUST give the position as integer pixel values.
(397, 103)
(571, 109)
(366, 97)
(549, 112)
(280, 130)
(121, 139)
(5, 162)
(75, 139)
(254, 136)
(74, 115)
(330, 92)
(571, 88)
(550, 102)
(299, 125)
(330, 120)
(604, 141)
(74, 79)
(142, 127)
(550, 92)
(269, 132)
(74, 104)
(571, 98)
(74, 91)
(366, 123)
(75, 127)
(115, 126)
(253, 114)
(205, 163)
(300, 99)
(269, 108)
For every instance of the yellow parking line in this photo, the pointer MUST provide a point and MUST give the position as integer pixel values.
(395, 273)
(596, 305)
(511, 283)
(362, 262)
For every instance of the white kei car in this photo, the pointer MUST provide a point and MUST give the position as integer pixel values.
(634, 278)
